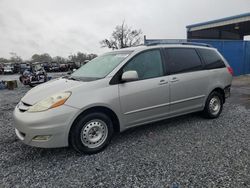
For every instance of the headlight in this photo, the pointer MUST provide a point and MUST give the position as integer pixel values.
(50, 102)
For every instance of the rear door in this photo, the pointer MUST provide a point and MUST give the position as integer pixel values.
(145, 99)
(188, 80)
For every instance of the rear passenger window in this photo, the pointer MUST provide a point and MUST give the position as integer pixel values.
(183, 60)
(212, 59)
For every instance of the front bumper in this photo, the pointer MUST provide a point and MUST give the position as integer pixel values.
(53, 124)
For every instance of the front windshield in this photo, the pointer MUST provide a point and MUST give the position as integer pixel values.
(100, 66)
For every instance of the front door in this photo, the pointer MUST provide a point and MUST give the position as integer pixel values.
(146, 99)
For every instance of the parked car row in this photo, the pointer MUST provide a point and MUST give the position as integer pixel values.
(11, 68)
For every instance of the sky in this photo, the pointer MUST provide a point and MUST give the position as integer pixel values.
(64, 27)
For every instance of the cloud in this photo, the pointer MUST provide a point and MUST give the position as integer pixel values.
(62, 27)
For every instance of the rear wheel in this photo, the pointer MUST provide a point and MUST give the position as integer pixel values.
(91, 133)
(214, 105)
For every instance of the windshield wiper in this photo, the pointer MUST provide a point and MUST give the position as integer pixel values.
(73, 78)
(83, 79)
(70, 78)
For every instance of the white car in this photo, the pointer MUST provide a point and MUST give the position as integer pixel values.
(8, 70)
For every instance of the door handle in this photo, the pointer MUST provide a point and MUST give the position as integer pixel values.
(174, 79)
(162, 82)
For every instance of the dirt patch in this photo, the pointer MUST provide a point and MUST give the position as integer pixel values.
(240, 93)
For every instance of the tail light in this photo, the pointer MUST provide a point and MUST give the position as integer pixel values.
(230, 70)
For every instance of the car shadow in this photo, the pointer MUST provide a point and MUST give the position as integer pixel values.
(157, 127)
(40, 154)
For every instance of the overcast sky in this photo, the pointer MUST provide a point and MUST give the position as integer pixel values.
(62, 27)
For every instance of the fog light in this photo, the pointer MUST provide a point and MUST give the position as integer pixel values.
(41, 138)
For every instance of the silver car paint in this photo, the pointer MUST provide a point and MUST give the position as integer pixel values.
(134, 103)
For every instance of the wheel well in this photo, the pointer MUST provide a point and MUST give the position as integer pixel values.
(219, 90)
(110, 113)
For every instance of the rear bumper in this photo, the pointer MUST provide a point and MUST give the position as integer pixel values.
(52, 124)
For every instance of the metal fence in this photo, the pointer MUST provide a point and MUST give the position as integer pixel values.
(237, 52)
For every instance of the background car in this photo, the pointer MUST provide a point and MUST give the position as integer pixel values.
(54, 67)
(8, 69)
(23, 67)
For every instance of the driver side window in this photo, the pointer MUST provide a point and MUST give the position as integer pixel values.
(147, 65)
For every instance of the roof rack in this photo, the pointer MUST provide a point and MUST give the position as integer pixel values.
(183, 43)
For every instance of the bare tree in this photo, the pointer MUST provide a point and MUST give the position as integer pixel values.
(123, 37)
(81, 57)
(15, 58)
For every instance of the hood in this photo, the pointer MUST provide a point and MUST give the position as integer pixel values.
(45, 90)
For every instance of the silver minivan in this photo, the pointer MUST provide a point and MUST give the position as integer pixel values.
(120, 90)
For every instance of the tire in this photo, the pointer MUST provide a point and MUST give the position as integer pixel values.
(21, 79)
(213, 106)
(91, 133)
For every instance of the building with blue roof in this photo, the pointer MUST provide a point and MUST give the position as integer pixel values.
(226, 35)
(229, 28)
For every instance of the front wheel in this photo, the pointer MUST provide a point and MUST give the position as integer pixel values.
(91, 133)
(214, 105)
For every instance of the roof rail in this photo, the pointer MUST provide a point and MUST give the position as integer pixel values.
(183, 43)
(197, 44)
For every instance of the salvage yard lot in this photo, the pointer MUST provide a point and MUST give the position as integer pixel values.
(188, 150)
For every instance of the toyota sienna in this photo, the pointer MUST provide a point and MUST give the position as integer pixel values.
(120, 90)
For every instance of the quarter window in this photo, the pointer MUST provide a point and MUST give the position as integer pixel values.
(212, 59)
(183, 60)
(147, 64)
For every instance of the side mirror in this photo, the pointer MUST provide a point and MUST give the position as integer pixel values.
(130, 76)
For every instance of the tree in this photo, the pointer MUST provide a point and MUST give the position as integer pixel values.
(41, 58)
(91, 56)
(15, 58)
(59, 59)
(3, 60)
(81, 57)
(123, 37)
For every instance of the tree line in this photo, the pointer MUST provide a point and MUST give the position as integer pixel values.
(45, 57)
(123, 36)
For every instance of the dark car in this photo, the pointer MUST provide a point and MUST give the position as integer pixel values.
(23, 67)
(63, 67)
(54, 67)
(46, 66)
(1, 69)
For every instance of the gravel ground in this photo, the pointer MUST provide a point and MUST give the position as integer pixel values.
(187, 151)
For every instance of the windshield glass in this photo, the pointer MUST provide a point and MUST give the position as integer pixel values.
(100, 66)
